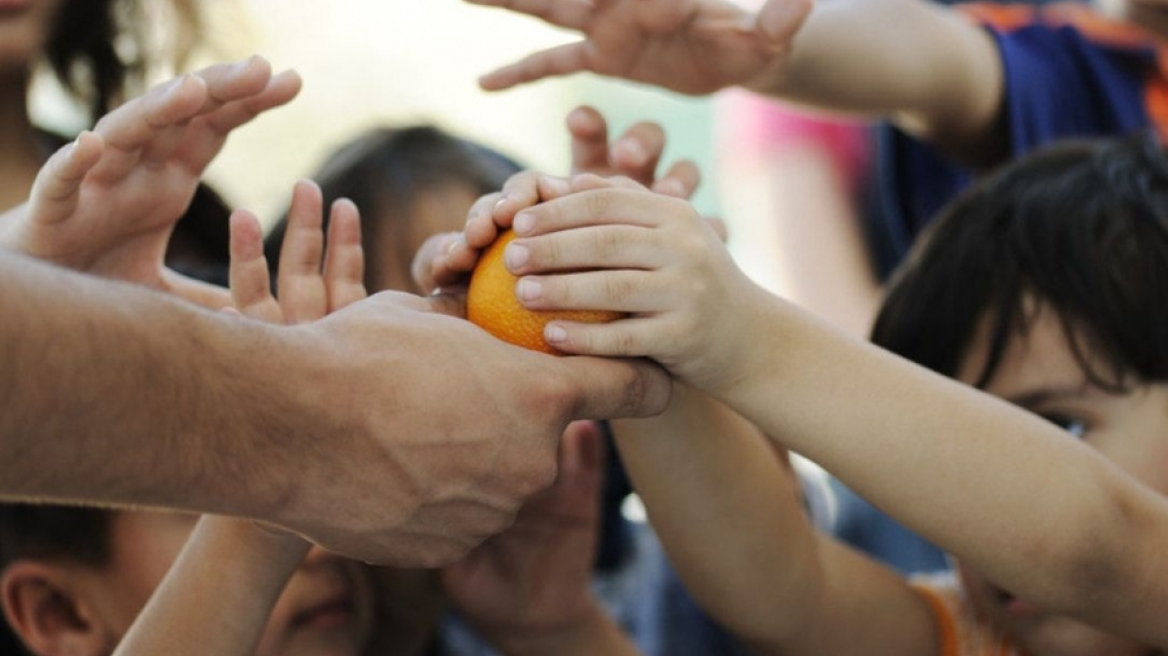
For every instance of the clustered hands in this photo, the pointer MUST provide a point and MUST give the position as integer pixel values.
(444, 260)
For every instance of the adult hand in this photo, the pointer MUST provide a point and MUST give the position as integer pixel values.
(428, 434)
(689, 46)
(108, 202)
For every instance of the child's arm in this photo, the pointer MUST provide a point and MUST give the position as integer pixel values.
(528, 589)
(728, 512)
(935, 73)
(1052, 520)
(217, 596)
(107, 203)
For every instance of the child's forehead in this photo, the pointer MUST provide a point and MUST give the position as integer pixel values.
(1037, 353)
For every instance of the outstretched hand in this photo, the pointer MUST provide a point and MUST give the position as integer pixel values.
(108, 202)
(689, 46)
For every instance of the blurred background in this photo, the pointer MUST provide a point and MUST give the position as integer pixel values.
(375, 62)
(367, 63)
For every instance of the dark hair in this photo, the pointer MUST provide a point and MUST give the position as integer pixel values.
(385, 170)
(50, 532)
(1080, 227)
(199, 245)
(57, 532)
(98, 48)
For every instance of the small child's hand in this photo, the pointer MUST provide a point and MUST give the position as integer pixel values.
(689, 46)
(315, 278)
(445, 260)
(532, 582)
(635, 154)
(613, 245)
(107, 203)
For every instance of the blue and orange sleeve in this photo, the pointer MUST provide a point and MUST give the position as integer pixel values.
(1069, 73)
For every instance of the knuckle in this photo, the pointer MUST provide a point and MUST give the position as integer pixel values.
(598, 204)
(625, 342)
(617, 288)
(609, 244)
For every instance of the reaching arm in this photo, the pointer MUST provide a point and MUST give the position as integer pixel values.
(727, 508)
(217, 596)
(117, 394)
(925, 67)
(1083, 542)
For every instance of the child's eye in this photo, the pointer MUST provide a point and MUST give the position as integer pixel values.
(1076, 427)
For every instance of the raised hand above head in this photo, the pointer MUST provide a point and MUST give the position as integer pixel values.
(689, 46)
(108, 205)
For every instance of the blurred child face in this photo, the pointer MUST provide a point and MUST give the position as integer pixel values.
(326, 608)
(25, 26)
(1039, 372)
(441, 208)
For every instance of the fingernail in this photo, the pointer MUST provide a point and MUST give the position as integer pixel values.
(454, 243)
(632, 151)
(554, 187)
(554, 334)
(671, 188)
(523, 223)
(516, 255)
(528, 290)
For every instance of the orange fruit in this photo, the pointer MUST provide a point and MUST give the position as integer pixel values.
(492, 305)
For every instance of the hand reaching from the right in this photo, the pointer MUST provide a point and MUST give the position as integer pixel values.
(689, 46)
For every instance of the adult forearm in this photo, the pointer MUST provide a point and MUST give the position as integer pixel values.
(926, 67)
(115, 394)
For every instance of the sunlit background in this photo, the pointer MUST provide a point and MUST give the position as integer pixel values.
(370, 62)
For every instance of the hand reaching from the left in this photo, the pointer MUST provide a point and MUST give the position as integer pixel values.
(108, 202)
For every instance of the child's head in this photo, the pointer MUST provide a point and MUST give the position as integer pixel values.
(72, 581)
(409, 183)
(102, 50)
(1047, 284)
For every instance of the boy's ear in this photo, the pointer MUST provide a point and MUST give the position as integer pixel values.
(48, 613)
